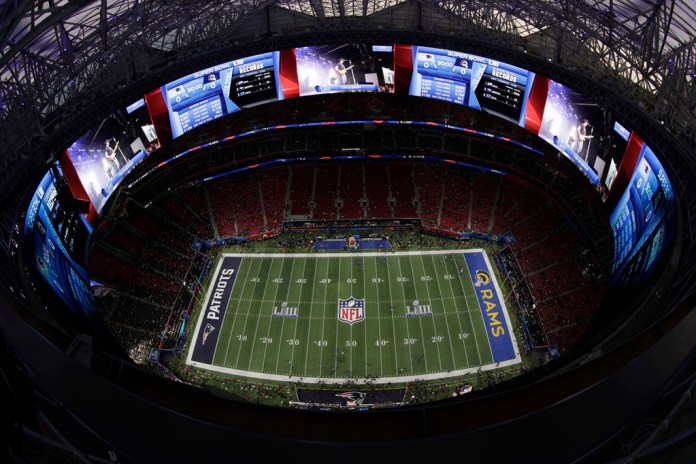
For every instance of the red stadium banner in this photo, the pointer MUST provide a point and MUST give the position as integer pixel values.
(403, 68)
(159, 114)
(288, 73)
(625, 171)
(77, 190)
(536, 104)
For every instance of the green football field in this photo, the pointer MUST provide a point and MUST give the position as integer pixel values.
(367, 317)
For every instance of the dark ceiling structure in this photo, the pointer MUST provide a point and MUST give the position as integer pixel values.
(64, 64)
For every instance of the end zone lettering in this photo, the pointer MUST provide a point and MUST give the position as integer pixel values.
(492, 309)
(495, 324)
(482, 280)
(217, 299)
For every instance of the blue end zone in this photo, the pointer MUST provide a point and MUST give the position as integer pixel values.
(497, 326)
(214, 309)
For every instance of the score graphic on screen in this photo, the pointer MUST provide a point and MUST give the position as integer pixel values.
(253, 83)
(470, 80)
(214, 92)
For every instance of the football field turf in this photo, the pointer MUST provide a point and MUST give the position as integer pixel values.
(361, 316)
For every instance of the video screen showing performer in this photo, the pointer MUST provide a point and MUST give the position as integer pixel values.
(106, 153)
(582, 130)
(115, 158)
(345, 68)
(583, 138)
(342, 71)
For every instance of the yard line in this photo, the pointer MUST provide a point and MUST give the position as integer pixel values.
(260, 313)
(439, 292)
(379, 328)
(258, 317)
(352, 348)
(420, 322)
(408, 330)
(246, 318)
(352, 289)
(365, 348)
(282, 322)
(350, 355)
(432, 318)
(323, 321)
(311, 309)
(456, 306)
(294, 334)
(391, 313)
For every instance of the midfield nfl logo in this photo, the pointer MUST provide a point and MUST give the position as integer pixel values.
(351, 310)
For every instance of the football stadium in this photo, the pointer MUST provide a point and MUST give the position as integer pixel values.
(348, 230)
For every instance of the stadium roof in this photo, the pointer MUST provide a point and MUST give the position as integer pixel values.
(47, 44)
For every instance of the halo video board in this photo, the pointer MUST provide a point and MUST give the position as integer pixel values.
(345, 68)
(211, 93)
(104, 155)
(642, 221)
(57, 239)
(475, 81)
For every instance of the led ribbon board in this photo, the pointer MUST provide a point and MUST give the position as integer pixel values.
(214, 92)
(470, 80)
(641, 220)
